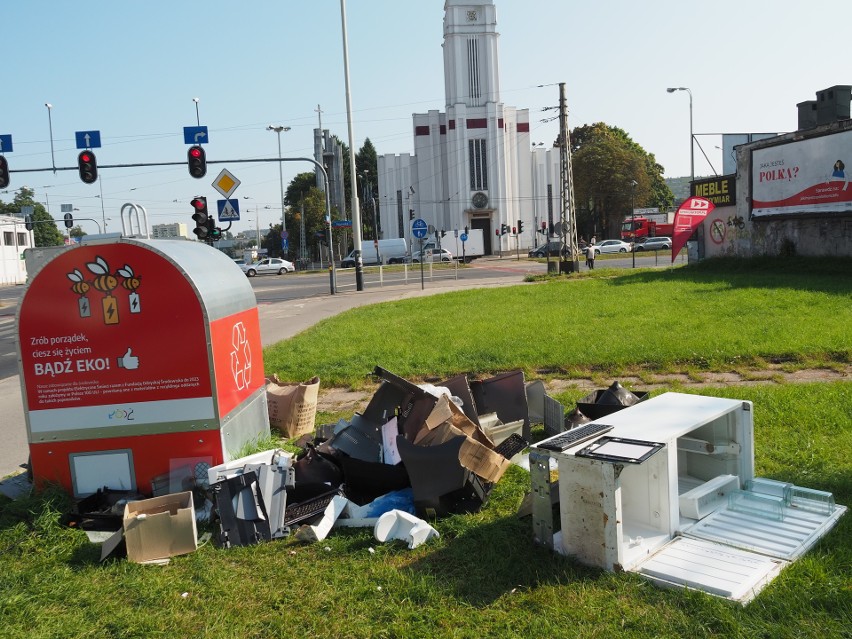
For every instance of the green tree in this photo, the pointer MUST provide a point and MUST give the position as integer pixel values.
(606, 162)
(77, 231)
(367, 167)
(45, 231)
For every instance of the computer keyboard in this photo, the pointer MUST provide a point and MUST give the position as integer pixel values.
(574, 436)
(308, 508)
(511, 446)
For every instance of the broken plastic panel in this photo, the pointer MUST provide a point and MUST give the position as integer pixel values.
(243, 520)
(505, 395)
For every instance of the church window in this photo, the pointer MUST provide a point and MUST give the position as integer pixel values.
(478, 165)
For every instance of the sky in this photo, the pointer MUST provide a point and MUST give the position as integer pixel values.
(131, 70)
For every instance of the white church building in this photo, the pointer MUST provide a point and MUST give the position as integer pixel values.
(473, 164)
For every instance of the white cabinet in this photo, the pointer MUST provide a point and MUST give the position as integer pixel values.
(682, 516)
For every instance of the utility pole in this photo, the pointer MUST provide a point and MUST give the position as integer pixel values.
(568, 216)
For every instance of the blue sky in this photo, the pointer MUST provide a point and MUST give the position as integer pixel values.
(131, 69)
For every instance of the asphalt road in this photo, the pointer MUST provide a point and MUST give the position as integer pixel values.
(287, 305)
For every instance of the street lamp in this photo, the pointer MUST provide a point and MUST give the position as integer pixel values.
(50, 125)
(278, 129)
(633, 219)
(197, 119)
(691, 135)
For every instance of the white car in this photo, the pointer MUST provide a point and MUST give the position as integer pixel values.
(611, 246)
(433, 255)
(268, 266)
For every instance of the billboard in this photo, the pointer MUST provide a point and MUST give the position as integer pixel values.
(805, 177)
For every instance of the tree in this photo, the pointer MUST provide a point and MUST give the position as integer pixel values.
(299, 185)
(367, 167)
(45, 231)
(77, 231)
(605, 162)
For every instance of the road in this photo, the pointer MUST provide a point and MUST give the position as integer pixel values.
(287, 305)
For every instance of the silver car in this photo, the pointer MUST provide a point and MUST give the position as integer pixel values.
(268, 266)
(433, 255)
(660, 243)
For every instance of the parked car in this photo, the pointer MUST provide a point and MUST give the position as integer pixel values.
(660, 243)
(268, 266)
(542, 251)
(612, 246)
(432, 255)
(239, 261)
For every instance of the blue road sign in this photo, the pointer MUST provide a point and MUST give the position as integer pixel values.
(88, 139)
(463, 237)
(284, 244)
(195, 135)
(5, 143)
(339, 224)
(419, 228)
(229, 210)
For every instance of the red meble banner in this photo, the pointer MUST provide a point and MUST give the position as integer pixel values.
(688, 217)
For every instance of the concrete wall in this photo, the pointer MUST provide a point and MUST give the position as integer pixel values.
(729, 232)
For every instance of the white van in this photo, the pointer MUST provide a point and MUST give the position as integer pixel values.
(391, 251)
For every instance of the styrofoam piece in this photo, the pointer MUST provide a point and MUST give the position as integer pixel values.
(396, 524)
(320, 530)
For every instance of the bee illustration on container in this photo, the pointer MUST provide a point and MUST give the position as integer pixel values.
(131, 282)
(105, 282)
(80, 287)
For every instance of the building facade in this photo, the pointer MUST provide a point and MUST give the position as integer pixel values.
(166, 231)
(473, 164)
(14, 238)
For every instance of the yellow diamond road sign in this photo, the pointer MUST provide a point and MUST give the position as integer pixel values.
(226, 183)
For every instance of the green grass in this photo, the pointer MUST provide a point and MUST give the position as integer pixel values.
(721, 316)
(484, 577)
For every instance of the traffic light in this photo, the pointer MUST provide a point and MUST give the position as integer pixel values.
(497, 232)
(88, 166)
(4, 172)
(410, 214)
(520, 226)
(504, 229)
(200, 217)
(443, 233)
(69, 220)
(28, 222)
(543, 228)
(197, 159)
(514, 230)
(214, 233)
(466, 231)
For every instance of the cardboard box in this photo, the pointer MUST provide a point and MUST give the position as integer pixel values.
(159, 528)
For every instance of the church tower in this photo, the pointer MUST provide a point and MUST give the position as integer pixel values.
(472, 164)
(470, 53)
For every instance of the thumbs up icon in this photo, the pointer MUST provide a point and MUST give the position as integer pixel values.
(128, 361)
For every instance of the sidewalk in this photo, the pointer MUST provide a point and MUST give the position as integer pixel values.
(278, 321)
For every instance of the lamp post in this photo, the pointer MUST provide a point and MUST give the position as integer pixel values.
(633, 219)
(50, 125)
(691, 135)
(356, 214)
(197, 119)
(278, 129)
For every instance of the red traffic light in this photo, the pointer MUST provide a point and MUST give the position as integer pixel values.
(197, 160)
(87, 164)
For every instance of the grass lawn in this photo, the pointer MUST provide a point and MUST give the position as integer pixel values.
(484, 577)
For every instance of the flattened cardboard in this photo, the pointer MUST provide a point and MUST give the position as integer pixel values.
(159, 528)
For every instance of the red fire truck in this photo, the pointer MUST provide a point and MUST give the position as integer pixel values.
(646, 226)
